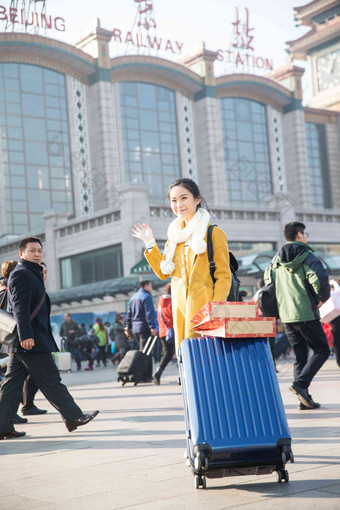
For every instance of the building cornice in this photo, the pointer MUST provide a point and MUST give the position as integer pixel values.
(305, 13)
(38, 50)
(156, 70)
(317, 36)
(253, 87)
(320, 115)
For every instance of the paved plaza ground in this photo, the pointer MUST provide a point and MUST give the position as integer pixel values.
(131, 455)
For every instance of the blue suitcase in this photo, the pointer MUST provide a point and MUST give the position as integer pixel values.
(235, 420)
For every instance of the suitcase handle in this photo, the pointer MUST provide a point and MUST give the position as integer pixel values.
(149, 345)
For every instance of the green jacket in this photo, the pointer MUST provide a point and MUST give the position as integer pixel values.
(301, 282)
(101, 334)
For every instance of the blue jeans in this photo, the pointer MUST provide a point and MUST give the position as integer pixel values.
(301, 336)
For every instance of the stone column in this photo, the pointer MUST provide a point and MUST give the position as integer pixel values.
(208, 131)
(296, 158)
(50, 249)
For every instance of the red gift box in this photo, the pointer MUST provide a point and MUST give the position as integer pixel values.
(239, 327)
(225, 310)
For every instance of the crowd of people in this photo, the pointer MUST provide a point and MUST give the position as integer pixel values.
(300, 279)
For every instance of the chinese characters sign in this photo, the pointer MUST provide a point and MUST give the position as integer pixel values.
(241, 54)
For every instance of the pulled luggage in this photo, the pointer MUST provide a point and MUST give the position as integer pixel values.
(63, 361)
(235, 420)
(134, 365)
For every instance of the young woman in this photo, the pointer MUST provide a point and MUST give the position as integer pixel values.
(100, 330)
(185, 257)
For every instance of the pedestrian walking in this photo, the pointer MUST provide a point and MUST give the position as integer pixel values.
(166, 332)
(301, 284)
(30, 389)
(120, 339)
(100, 331)
(141, 320)
(185, 257)
(69, 330)
(32, 355)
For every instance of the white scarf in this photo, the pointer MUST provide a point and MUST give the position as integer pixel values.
(194, 231)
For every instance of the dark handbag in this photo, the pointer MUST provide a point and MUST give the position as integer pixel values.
(267, 298)
(8, 325)
(233, 264)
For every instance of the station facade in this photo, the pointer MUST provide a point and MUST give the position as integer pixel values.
(89, 145)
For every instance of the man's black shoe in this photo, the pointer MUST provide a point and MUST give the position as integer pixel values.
(12, 435)
(316, 405)
(33, 410)
(302, 407)
(17, 419)
(83, 420)
(303, 395)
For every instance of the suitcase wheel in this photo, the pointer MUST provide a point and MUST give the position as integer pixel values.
(287, 455)
(201, 461)
(282, 474)
(200, 481)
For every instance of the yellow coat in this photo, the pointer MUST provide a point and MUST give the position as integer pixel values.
(191, 282)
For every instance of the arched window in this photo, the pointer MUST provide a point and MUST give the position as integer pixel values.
(150, 137)
(35, 145)
(246, 152)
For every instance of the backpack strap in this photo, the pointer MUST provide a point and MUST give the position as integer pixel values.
(212, 265)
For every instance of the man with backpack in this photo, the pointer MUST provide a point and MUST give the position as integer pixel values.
(301, 284)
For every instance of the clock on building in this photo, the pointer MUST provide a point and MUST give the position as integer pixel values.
(328, 70)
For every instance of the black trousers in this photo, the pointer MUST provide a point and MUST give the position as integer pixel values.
(29, 391)
(101, 355)
(43, 370)
(142, 338)
(301, 336)
(168, 350)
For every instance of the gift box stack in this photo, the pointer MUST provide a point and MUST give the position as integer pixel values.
(233, 320)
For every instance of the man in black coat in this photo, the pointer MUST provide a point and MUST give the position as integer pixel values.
(26, 295)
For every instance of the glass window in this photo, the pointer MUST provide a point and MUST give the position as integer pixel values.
(13, 108)
(34, 145)
(36, 152)
(149, 114)
(31, 79)
(38, 177)
(14, 132)
(13, 121)
(246, 151)
(15, 145)
(12, 96)
(50, 76)
(33, 105)
(318, 165)
(91, 267)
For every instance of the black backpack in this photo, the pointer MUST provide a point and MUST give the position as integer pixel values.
(267, 298)
(233, 264)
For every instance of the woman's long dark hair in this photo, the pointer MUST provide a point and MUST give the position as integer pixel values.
(100, 324)
(192, 187)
